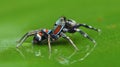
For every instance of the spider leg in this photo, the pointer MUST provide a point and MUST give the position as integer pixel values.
(85, 35)
(22, 37)
(68, 38)
(89, 27)
(49, 43)
(31, 33)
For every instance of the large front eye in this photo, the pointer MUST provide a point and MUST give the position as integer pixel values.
(37, 38)
(55, 24)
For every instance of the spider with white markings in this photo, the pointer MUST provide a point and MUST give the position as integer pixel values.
(61, 27)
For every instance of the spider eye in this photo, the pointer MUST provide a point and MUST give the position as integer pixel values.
(55, 24)
(37, 38)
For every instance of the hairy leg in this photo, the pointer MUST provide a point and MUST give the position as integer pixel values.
(85, 35)
(88, 26)
(49, 43)
(31, 33)
(68, 38)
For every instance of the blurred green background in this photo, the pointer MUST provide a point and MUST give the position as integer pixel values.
(20, 16)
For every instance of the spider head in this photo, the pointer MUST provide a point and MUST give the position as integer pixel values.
(37, 38)
(70, 23)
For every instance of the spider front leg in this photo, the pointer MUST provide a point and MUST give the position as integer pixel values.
(49, 43)
(31, 33)
(89, 27)
(68, 38)
(85, 35)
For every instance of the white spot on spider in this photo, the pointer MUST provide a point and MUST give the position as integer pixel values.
(72, 23)
(44, 29)
(84, 24)
(90, 26)
(85, 35)
(77, 29)
(99, 30)
(94, 41)
(65, 29)
(39, 37)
